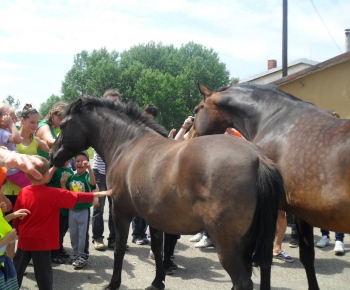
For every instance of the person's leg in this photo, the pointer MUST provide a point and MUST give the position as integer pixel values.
(280, 232)
(111, 226)
(82, 220)
(294, 237)
(97, 214)
(73, 231)
(43, 269)
(324, 241)
(21, 261)
(86, 250)
(63, 231)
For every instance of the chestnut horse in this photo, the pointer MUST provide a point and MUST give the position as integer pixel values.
(311, 147)
(220, 184)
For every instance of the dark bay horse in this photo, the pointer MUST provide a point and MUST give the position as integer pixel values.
(220, 184)
(311, 147)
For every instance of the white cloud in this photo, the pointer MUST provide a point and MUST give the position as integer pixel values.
(244, 33)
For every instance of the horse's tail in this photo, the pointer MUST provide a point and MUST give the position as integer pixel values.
(270, 186)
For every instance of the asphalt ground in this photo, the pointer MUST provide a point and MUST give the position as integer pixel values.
(198, 269)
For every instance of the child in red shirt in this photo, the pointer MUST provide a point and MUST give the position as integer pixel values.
(38, 233)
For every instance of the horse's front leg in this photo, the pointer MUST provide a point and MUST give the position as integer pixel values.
(307, 251)
(122, 225)
(157, 247)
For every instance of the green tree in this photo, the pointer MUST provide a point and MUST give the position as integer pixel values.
(91, 75)
(46, 107)
(12, 102)
(149, 73)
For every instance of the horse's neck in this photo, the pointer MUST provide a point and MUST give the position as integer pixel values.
(251, 115)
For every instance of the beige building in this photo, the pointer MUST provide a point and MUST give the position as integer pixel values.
(325, 84)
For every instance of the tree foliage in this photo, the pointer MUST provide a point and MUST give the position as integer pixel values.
(149, 73)
(46, 107)
(10, 100)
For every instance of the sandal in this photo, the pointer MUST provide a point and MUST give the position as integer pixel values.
(284, 257)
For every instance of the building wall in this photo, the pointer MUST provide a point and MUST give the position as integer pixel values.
(328, 88)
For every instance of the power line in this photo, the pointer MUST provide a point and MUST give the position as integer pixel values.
(325, 26)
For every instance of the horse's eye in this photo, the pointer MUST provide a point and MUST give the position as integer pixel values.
(61, 126)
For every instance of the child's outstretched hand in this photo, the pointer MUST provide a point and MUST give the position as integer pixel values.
(95, 202)
(21, 213)
(86, 163)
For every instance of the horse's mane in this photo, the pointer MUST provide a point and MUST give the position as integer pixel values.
(264, 88)
(130, 110)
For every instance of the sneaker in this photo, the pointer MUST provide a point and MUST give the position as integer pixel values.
(339, 248)
(169, 271)
(284, 257)
(63, 254)
(99, 245)
(57, 260)
(293, 242)
(171, 265)
(196, 238)
(72, 259)
(204, 243)
(140, 242)
(324, 241)
(111, 244)
(80, 262)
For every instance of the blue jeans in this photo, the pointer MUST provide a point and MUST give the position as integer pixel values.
(139, 227)
(338, 236)
(97, 214)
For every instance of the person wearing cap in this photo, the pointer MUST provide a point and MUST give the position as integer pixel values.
(79, 217)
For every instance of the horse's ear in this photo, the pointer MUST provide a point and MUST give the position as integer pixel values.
(77, 106)
(204, 91)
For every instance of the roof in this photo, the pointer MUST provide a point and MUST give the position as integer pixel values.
(279, 68)
(310, 70)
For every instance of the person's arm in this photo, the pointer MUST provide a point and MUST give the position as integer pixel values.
(52, 171)
(171, 133)
(92, 175)
(5, 203)
(9, 238)
(180, 135)
(15, 137)
(44, 133)
(17, 214)
(23, 162)
(42, 145)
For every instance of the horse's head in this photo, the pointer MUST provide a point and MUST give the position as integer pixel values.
(73, 136)
(208, 119)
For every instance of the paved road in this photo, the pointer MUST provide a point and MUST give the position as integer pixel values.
(198, 269)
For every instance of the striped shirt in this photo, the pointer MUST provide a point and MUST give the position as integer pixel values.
(99, 164)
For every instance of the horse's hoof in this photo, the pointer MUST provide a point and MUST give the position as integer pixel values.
(154, 288)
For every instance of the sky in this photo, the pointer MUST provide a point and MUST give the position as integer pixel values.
(39, 38)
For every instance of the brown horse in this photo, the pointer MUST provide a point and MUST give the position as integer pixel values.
(220, 184)
(311, 147)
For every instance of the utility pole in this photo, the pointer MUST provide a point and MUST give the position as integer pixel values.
(285, 39)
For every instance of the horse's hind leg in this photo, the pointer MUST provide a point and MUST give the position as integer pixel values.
(157, 246)
(122, 224)
(307, 251)
(231, 256)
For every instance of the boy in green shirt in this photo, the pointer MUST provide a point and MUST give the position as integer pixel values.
(79, 217)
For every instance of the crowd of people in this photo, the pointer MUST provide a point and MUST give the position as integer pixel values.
(33, 212)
